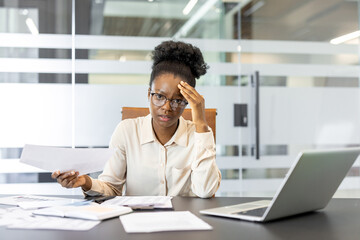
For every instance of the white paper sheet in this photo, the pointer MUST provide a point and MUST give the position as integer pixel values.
(162, 221)
(84, 160)
(11, 215)
(36, 205)
(141, 201)
(15, 200)
(40, 222)
(34, 202)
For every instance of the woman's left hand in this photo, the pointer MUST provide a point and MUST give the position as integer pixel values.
(197, 104)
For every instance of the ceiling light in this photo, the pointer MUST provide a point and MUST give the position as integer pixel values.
(32, 27)
(189, 7)
(345, 37)
(122, 58)
(195, 18)
(25, 12)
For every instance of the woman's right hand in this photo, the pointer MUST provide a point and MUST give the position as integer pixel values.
(71, 179)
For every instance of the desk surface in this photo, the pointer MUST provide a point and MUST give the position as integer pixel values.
(339, 220)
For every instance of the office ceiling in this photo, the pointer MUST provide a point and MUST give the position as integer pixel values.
(305, 20)
(301, 20)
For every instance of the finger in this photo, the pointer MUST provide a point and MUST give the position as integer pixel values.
(67, 182)
(63, 179)
(71, 183)
(191, 98)
(188, 98)
(63, 182)
(55, 174)
(189, 89)
(73, 180)
(75, 183)
(63, 174)
(67, 174)
(70, 178)
(186, 93)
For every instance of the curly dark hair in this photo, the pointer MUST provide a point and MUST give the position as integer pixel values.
(181, 59)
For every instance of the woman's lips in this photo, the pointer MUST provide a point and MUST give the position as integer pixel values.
(164, 118)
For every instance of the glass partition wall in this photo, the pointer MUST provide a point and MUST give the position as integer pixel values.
(308, 86)
(278, 84)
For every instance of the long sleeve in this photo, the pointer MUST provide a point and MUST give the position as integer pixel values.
(113, 178)
(205, 175)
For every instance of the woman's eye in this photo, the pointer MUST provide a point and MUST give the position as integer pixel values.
(159, 96)
(178, 101)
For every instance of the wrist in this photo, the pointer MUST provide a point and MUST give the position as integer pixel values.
(87, 183)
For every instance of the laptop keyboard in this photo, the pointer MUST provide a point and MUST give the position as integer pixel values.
(258, 212)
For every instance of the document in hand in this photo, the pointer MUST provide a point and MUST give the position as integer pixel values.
(84, 160)
(90, 212)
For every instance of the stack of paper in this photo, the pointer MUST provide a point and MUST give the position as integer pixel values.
(22, 217)
(141, 202)
(92, 211)
(19, 218)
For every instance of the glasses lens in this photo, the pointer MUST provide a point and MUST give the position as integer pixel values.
(174, 104)
(177, 103)
(158, 99)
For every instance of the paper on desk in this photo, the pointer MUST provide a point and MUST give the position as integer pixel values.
(12, 215)
(141, 201)
(162, 221)
(40, 222)
(34, 202)
(15, 200)
(84, 160)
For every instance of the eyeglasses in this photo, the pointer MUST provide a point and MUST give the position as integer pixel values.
(160, 100)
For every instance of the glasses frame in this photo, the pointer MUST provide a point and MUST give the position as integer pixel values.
(181, 105)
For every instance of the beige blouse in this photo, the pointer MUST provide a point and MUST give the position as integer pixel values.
(184, 166)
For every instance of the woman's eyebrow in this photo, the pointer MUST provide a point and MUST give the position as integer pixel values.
(176, 95)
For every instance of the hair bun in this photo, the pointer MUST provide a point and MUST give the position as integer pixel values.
(183, 53)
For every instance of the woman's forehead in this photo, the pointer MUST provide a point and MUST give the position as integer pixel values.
(167, 83)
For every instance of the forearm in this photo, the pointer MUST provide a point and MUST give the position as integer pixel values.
(112, 179)
(100, 187)
(205, 176)
(205, 180)
(201, 127)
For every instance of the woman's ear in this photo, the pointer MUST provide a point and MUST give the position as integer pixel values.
(149, 90)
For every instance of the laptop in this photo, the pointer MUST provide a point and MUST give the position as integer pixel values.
(308, 186)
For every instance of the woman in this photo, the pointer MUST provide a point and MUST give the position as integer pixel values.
(161, 154)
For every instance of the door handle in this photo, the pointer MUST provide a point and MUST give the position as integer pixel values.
(255, 80)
